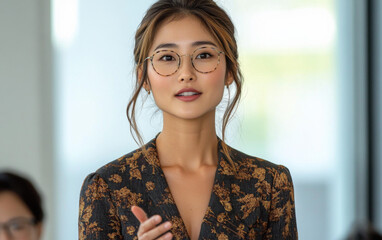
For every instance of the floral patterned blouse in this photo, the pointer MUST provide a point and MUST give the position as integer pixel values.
(255, 202)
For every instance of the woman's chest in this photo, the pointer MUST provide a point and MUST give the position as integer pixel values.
(192, 194)
(199, 207)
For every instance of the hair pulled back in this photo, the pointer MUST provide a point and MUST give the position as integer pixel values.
(217, 22)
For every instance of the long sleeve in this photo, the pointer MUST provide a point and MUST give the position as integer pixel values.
(282, 216)
(98, 217)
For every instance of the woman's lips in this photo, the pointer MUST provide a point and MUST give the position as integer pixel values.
(188, 94)
(188, 98)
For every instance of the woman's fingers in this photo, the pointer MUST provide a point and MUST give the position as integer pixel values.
(139, 213)
(167, 236)
(155, 232)
(149, 228)
(149, 224)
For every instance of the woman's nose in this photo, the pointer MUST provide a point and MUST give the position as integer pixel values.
(186, 69)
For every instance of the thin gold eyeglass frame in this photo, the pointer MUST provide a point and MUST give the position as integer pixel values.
(180, 60)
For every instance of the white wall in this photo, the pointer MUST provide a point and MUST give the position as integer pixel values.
(25, 100)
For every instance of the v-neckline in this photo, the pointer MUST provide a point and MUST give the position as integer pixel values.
(173, 208)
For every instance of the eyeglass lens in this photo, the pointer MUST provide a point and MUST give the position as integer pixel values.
(204, 60)
(20, 228)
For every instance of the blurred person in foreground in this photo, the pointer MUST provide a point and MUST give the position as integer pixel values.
(21, 214)
(364, 231)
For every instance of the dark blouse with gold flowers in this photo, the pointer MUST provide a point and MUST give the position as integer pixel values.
(255, 202)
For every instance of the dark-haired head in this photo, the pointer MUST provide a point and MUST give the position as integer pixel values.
(364, 231)
(25, 191)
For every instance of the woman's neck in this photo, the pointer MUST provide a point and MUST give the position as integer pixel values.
(188, 144)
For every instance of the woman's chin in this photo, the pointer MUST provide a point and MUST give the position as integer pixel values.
(188, 115)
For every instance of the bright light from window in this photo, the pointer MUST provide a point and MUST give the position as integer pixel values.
(65, 22)
(297, 29)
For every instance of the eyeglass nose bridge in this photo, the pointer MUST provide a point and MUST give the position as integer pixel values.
(180, 61)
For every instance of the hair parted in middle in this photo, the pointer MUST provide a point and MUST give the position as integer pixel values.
(216, 21)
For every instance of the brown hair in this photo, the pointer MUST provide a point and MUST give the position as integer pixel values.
(217, 22)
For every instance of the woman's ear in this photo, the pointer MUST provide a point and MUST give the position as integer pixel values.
(229, 78)
(146, 84)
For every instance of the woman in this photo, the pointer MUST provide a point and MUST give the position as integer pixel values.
(21, 214)
(187, 183)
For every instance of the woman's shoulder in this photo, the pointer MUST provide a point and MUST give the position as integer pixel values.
(121, 164)
(125, 169)
(251, 166)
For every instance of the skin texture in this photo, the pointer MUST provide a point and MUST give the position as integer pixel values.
(12, 207)
(187, 145)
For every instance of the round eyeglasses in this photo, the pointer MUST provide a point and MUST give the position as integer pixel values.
(167, 62)
(19, 228)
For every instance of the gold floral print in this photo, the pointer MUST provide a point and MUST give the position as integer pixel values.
(96, 190)
(223, 195)
(150, 186)
(178, 228)
(254, 200)
(115, 178)
(249, 204)
(240, 230)
(236, 189)
(130, 230)
(222, 236)
(222, 217)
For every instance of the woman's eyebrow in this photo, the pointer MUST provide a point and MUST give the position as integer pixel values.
(166, 45)
(194, 44)
(199, 43)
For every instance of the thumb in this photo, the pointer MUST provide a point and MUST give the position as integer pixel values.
(139, 213)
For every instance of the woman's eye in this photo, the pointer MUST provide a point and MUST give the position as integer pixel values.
(204, 55)
(167, 58)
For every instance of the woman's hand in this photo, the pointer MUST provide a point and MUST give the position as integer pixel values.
(148, 228)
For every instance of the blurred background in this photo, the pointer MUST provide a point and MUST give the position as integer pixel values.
(311, 100)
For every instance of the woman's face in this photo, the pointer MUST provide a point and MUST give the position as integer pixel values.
(184, 36)
(16, 219)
